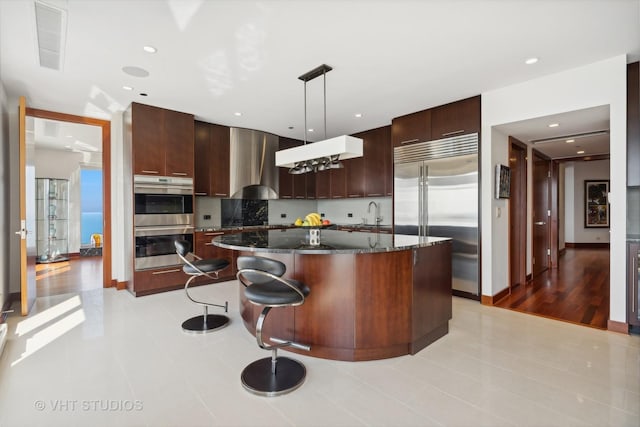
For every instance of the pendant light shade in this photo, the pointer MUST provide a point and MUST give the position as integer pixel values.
(320, 155)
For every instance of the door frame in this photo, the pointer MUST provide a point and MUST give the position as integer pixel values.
(105, 126)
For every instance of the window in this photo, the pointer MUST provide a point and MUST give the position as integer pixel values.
(90, 204)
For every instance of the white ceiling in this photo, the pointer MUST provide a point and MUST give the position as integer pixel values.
(390, 58)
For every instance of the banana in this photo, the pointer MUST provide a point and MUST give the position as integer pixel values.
(313, 219)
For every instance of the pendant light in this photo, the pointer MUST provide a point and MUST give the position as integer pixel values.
(320, 155)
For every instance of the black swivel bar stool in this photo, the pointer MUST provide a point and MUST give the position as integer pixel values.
(275, 375)
(197, 268)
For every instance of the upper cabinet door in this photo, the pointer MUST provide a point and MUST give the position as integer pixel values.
(147, 140)
(377, 159)
(412, 128)
(458, 118)
(633, 124)
(285, 190)
(219, 164)
(202, 159)
(179, 142)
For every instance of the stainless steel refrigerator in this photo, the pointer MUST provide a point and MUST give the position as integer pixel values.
(435, 190)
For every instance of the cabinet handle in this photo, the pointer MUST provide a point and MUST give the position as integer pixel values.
(354, 195)
(636, 285)
(285, 197)
(337, 197)
(167, 271)
(409, 141)
(374, 194)
(219, 194)
(200, 194)
(179, 173)
(146, 171)
(455, 132)
(300, 197)
(213, 234)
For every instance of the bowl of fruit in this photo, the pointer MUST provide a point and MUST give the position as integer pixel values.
(312, 220)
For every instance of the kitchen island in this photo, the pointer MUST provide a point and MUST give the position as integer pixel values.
(373, 295)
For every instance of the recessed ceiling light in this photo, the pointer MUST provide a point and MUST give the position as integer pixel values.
(67, 147)
(143, 94)
(554, 125)
(135, 71)
(237, 113)
(310, 130)
(358, 115)
(127, 88)
(150, 49)
(290, 127)
(580, 152)
(568, 141)
(531, 61)
(69, 136)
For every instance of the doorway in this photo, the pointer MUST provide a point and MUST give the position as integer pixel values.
(82, 272)
(567, 264)
(517, 214)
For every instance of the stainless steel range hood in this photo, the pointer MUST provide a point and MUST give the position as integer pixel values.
(253, 174)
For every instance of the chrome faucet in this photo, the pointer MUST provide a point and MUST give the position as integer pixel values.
(377, 211)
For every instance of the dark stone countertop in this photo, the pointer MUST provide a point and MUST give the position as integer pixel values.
(331, 241)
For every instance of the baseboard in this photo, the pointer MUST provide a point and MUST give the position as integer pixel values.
(529, 277)
(493, 300)
(587, 245)
(614, 326)
(562, 251)
(122, 285)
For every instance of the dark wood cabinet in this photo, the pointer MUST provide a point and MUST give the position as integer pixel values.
(204, 248)
(300, 186)
(457, 118)
(178, 132)
(377, 172)
(338, 183)
(162, 141)
(633, 124)
(411, 128)
(354, 174)
(147, 282)
(211, 160)
(146, 140)
(323, 184)
(285, 178)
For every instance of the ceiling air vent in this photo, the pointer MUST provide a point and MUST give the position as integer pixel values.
(51, 27)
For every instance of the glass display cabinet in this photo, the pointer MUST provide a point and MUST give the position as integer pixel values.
(52, 218)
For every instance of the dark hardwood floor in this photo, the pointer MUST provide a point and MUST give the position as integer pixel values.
(75, 275)
(577, 291)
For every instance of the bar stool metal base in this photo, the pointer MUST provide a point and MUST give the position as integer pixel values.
(258, 378)
(198, 325)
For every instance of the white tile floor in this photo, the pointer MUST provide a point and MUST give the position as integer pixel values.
(106, 358)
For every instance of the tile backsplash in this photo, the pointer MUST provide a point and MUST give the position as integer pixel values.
(345, 211)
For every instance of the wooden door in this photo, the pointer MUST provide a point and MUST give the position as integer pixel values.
(285, 190)
(376, 148)
(518, 213)
(323, 184)
(338, 183)
(540, 213)
(27, 231)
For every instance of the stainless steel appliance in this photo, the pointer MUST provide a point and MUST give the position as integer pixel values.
(253, 171)
(163, 214)
(435, 191)
(162, 200)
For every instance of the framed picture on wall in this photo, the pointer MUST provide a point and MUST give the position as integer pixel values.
(596, 204)
(503, 182)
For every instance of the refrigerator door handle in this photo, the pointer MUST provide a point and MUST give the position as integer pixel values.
(420, 201)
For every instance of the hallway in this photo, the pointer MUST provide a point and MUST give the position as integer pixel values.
(577, 291)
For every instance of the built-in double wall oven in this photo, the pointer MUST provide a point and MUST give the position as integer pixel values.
(163, 214)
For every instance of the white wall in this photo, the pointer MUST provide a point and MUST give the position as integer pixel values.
(574, 191)
(600, 83)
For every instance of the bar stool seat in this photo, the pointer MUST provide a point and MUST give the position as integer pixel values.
(195, 268)
(275, 375)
